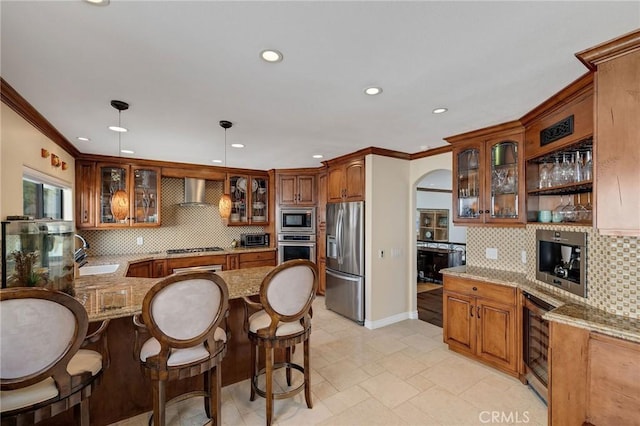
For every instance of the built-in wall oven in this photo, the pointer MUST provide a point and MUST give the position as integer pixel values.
(296, 246)
(296, 228)
(536, 343)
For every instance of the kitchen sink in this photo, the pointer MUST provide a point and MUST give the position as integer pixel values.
(98, 269)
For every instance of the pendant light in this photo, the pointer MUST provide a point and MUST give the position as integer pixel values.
(120, 198)
(224, 206)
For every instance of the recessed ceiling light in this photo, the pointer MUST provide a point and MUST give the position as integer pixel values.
(237, 145)
(98, 2)
(372, 91)
(272, 56)
(439, 110)
(126, 151)
(118, 129)
(216, 161)
(318, 156)
(83, 139)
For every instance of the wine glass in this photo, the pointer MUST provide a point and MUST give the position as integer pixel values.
(558, 214)
(556, 173)
(569, 212)
(566, 170)
(545, 176)
(581, 211)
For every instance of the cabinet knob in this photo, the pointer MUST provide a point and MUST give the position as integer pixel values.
(475, 289)
(487, 211)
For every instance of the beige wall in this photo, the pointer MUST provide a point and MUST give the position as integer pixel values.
(20, 146)
(390, 214)
(387, 198)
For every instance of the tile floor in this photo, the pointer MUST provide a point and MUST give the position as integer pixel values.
(397, 375)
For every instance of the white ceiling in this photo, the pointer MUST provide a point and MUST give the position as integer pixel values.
(184, 66)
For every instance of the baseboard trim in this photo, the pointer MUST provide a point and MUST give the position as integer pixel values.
(372, 325)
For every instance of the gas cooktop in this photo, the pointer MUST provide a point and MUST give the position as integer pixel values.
(194, 250)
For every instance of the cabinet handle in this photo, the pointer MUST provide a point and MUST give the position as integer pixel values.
(478, 312)
(471, 311)
(475, 289)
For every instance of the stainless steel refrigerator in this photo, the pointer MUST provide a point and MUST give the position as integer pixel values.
(345, 260)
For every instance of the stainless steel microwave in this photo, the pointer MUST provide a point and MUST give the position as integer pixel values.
(297, 220)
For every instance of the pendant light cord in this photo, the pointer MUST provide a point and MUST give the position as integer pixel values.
(119, 135)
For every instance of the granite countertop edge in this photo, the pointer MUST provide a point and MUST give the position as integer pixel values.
(126, 293)
(568, 311)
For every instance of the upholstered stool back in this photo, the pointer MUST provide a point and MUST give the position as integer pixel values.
(43, 371)
(184, 313)
(281, 320)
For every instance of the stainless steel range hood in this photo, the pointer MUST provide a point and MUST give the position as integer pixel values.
(194, 192)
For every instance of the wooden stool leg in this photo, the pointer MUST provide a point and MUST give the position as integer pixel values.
(269, 385)
(81, 413)
(215, 394)
(288, 360)
(307, 375)
(254, 370)
(208, 401)
(158, 402)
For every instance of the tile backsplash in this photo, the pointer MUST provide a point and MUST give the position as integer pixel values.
(182, 227)
(612, 268)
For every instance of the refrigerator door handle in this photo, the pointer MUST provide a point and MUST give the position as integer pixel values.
(343, 276)
(340, 234)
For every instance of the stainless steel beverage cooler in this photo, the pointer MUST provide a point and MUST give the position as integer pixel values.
(38, 253)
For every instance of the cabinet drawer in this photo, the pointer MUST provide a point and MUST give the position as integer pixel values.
(256, 256)
(186, 262)
(496, 292)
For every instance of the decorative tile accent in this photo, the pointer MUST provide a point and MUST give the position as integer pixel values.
(509, 241)
(182, 227)
(612, 268)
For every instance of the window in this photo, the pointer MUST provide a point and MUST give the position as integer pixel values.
(45, 197)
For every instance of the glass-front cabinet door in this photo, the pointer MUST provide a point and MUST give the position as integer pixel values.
(239, 198)
(468, 183)
(503, 180)
(145, 195)
(259, 200)
(113, 181)
(128, 195)
(249, 200)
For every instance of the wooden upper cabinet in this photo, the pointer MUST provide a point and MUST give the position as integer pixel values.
(249, 199)
(117, 195)
(296, 190)
(85, 194)
(488, 175)
(563, 120)
(617, 138)
(346, 181)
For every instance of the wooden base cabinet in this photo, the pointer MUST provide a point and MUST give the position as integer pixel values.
(593, 378)
(479, 320)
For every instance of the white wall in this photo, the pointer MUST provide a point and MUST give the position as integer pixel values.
(20, 146)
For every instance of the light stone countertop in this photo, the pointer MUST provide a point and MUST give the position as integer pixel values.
(567, 311)
(114, 295)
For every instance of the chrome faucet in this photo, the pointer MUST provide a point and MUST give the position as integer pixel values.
(80, 254)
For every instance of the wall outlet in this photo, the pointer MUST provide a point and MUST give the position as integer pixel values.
(139, 241)
(523, 256)
(396, 252)
(491, 253)
(380, 254)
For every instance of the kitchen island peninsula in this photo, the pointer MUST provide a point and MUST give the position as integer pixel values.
(124, 391)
